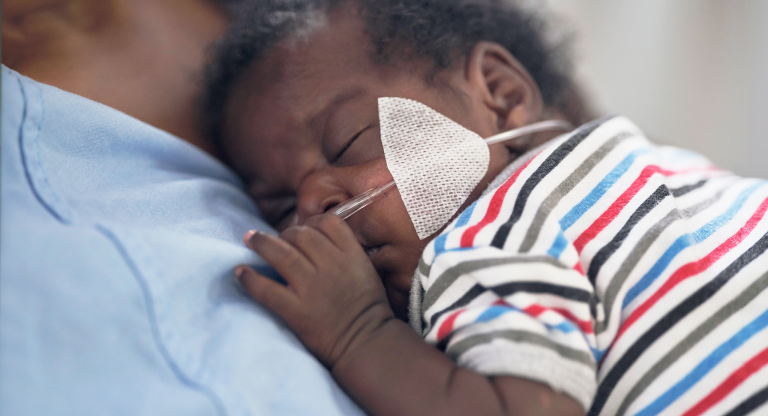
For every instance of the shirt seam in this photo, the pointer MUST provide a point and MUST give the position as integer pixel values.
(31, 126)
(207, 391)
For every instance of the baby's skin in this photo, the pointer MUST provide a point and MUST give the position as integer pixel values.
(302, 130)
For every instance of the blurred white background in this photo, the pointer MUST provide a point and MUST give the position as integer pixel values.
(691, 73)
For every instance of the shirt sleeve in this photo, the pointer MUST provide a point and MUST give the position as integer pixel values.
(522, 315)
(520, 282)
(499, 301)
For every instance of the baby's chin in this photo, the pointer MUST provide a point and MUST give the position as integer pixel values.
(390, 240)
(397, 275)
(397, 271)
(398, 301)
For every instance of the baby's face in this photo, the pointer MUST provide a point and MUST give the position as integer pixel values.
(303, 131)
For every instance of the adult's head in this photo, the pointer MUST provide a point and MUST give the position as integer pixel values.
(143, 57)
(293, 93)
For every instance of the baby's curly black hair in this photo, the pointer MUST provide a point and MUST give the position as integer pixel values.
(440, 30)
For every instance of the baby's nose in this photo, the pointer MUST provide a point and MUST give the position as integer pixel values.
(332, 201)
(318, 198)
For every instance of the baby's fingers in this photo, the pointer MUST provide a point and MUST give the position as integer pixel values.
(335, 229)
(267, 292)
(285, 258)
(312, 243)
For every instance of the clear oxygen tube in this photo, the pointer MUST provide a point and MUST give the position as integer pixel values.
(347, 208)
(351, 206)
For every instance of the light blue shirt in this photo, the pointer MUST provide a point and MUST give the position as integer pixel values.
(117, 247)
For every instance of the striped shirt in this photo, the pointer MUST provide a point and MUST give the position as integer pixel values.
(626, 275)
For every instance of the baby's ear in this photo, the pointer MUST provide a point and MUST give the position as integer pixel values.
(503, 85)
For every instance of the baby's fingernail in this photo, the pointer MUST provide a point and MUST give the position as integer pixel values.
(239, 272)
(248, 235)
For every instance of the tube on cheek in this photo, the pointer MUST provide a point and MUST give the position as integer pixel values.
(435, 162)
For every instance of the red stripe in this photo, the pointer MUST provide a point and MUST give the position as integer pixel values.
(726, 387)
(696, 267)
(613, 211)
(468, 238)
(536, 310)
(447, 326)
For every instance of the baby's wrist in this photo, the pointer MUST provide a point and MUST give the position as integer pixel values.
(363, 333)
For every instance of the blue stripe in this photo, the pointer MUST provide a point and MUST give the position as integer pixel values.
(576, 212)
(682, 242)
(598, 353)
(685, 241)
(558, 246)
(582, 207)
(705, 366)
(704, 232)
(460, 222)
(566, 326)
(495, 311)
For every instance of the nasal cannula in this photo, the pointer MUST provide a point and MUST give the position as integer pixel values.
(349, 207)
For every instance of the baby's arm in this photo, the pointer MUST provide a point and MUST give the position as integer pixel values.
(336, 304)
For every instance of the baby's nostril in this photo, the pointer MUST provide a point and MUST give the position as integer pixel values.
(330, 206)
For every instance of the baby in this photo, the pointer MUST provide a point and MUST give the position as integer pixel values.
(586, 272)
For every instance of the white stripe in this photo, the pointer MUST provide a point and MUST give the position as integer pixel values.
(504, 357)
(682, 329)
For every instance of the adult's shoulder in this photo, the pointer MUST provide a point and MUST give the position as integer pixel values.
(88, 162)
(117, 294)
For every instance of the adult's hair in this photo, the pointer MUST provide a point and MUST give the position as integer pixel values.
(439, 30)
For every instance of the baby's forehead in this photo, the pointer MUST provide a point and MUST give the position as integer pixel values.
(305, 72)
(301, 70)
(299, 88)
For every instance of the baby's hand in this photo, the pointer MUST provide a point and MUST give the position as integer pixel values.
(334, 299)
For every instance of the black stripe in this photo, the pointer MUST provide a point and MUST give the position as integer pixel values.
(578, 295)
(472, 293)
(549, 164)
(752, 403)
(688, 188)
(508, 289)
(607, 251)
(669, 320)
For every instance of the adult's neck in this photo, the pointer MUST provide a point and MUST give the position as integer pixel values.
(142, 57)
